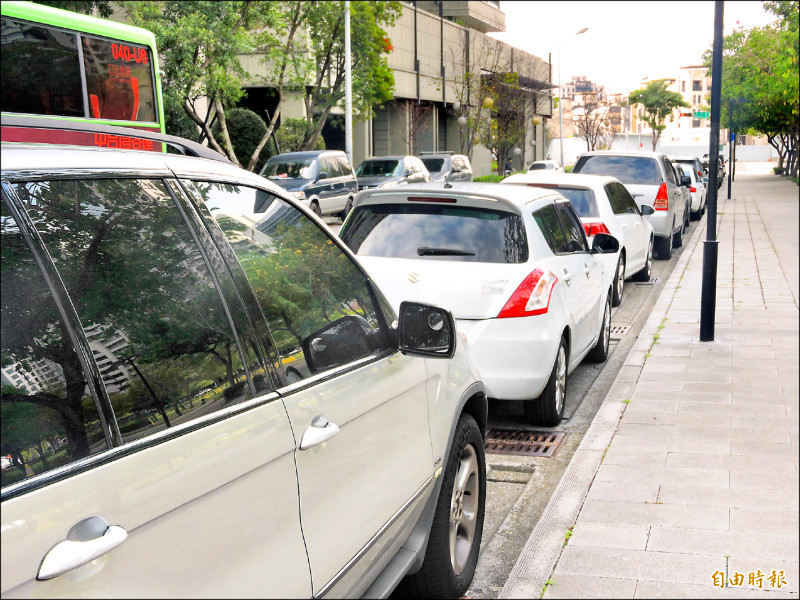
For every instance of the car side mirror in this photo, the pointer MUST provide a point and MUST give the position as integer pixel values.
(604, 244)
(338, 343)
(425, 330)
(686, 181)
(456, 169)
(646, 210)
(705, 179)
(323, 175)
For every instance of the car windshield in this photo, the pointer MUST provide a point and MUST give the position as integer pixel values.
(380, 168)
(581, 199)
(437, 233)
(635, 170)
(540, 166)
(434, 165)
(289, 169)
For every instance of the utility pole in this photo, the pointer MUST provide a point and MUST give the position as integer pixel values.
(348, 87)
(708, 297)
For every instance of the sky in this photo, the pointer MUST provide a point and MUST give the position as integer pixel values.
(626, 41)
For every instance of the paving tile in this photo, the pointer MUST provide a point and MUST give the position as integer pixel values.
(744, 463)
(580, 586)
(650, 589)
(634, 492)
(751, 563)
(609, 535)
(641, 513)
(763, 520)
(616, 456)
(625, 475)
(651, 432)
(721, 543)
(689, 495)
(763, 448)
(744, 480)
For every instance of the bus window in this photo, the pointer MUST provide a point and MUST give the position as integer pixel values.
(41, 70)
(119, 80)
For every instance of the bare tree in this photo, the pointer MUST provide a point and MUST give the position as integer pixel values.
(416, 116)
(591, 121)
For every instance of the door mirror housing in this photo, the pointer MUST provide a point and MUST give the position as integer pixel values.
(323, 175)
(646, 210)
(686, 181)
(425, 330)
(604, 244)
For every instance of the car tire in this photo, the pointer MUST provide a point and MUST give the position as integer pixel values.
(687, 218)
(643, 275)
(665, 247)
(347, 208)
(455, 538)
(316, 209)
(619, 282)
(548, 409)
(677, 237)
(599, 353)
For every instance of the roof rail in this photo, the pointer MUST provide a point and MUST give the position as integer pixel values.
(182, 145)
(436, 152)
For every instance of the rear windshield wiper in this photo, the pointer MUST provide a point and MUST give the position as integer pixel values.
(443, 252)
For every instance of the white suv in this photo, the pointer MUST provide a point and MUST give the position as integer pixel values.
(204, 395)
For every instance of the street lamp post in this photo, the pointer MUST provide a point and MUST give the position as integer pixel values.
(561, 101)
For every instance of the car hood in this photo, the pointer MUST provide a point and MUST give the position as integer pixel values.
(469, 290)
(291, 184)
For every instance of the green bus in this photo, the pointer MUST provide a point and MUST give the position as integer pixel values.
(58, 65)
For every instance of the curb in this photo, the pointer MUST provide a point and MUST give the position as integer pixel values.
(541, 552)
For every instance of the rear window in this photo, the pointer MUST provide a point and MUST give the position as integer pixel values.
(434, 165)
(634, 170)
(583, 200)
(380, 168)
(437, 233)
(539, 167)
(289, 169)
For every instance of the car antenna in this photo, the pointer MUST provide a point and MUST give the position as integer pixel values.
(448, 185)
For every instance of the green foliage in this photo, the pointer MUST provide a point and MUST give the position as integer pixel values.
(489, 179)
(80, 6)
(568, 168)
(658, 103)
(292, 134)
(246, 129)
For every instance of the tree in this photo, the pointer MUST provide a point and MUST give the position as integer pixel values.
(505, 128)
(592, 122)
(659, 104)
(416, 115)
(83, 6)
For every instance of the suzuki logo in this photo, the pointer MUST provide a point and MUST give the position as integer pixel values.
(414, 278)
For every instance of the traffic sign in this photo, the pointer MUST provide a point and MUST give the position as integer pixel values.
(702, 114)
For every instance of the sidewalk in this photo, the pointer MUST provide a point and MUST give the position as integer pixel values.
(690, 468)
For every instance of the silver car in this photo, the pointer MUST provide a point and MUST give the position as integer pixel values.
(205, 395)
(447, 167)
(651, 179)
(389, 171)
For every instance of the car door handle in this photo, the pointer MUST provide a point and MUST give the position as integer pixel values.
(587, 269)
(567, 277)
(87, 540)
(320, 431)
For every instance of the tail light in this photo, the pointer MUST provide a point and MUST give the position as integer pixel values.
(532, 297)
(693, 189)
(662, 198)
(699, 176)
(595, 228)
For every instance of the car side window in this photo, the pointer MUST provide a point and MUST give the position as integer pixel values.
(317, 302)
(576, 238)
(547, 220)
(49, 418)
(142, 290)
(344, 167)
(626, 200)
(668, 170)
(329, 166)
(617, 206)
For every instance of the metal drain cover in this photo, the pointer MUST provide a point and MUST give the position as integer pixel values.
(620, 329)
(653, 281)
(520, 442)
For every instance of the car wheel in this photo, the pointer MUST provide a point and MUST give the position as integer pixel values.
(315, 208)
(644, 273)
(677, 237)
(687, 218)
(665, 247)
(347, 208)
(619, 282)
(452, 552)
(548, 409)
(599, 353)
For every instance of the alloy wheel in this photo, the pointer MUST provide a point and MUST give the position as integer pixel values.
(464, 507)
(561, 378)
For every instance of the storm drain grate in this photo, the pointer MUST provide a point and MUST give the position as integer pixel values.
(620, 329)
(653, 281)
(524, 443)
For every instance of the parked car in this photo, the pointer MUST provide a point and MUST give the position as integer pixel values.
(697, 190)
(604, 206)
(552, 166)
(388, 171)
(446, 166)
(695, 170)
(323, 180)
(650, 179)
(512, 263)
(130, 277)
(720, 167)
(687, 198)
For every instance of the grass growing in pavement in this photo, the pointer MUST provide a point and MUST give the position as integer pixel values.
(567, 535)
(547, 584)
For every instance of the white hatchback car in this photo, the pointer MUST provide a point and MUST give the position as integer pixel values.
(551, 166)
(605, 206)
(512, 264)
